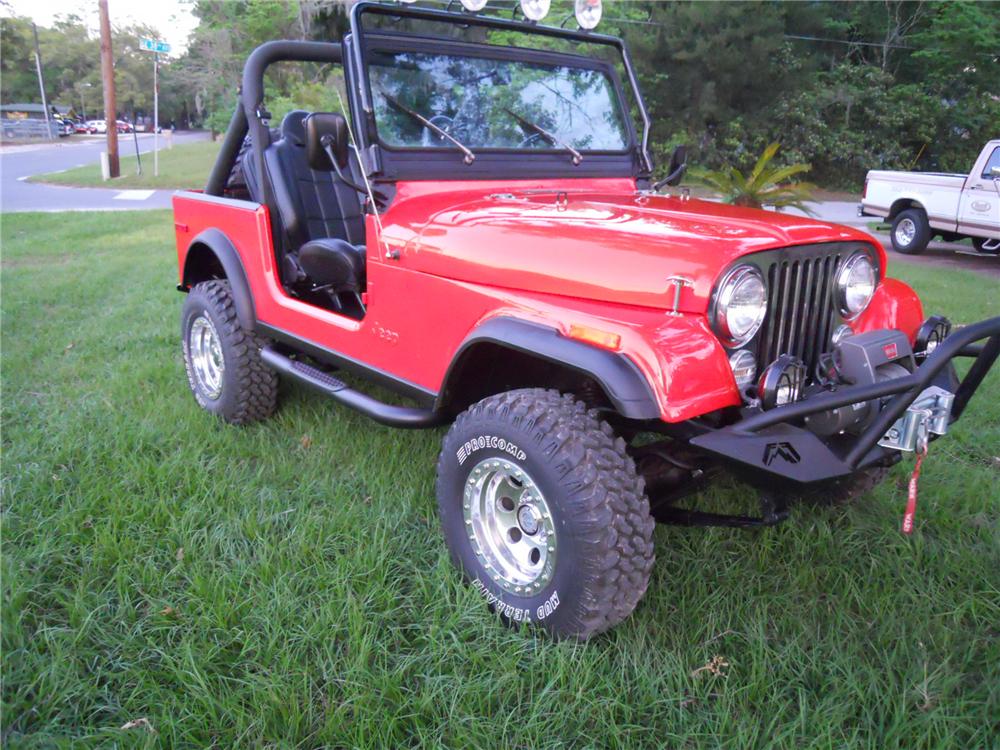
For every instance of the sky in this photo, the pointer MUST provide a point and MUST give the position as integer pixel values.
(173, 18)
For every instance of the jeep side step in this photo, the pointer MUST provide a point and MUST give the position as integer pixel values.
(387, 414)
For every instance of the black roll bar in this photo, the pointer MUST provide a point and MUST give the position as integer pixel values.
(248, 116)
(253, 93)
(231, 144)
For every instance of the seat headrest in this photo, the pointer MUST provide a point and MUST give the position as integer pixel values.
(293, 127)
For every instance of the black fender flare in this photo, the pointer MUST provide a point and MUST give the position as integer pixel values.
(625, 385)
(229, 258)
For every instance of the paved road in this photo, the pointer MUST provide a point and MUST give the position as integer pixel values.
(19, 162)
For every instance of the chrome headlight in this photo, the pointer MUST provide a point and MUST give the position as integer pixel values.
(856, 285)
(740, 305)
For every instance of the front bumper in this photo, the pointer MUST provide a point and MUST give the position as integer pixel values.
(862, 211)
(774, 442)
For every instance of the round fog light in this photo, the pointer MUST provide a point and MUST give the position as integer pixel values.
(932, 332)
(744, 366)
(782, 382)
(473, 6)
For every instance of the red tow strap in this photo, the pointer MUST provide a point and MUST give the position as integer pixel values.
(911, 500)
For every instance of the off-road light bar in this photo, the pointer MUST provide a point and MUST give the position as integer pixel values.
(588, 13)
(932, 332)
(535, 10)
(782, 382)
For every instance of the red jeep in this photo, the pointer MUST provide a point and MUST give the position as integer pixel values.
(481, 235)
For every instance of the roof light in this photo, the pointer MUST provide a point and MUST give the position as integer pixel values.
(474, 6)
(588, 13)
(535, 10)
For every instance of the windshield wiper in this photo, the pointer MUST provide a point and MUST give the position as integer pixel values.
(554, 140)
(398, 105)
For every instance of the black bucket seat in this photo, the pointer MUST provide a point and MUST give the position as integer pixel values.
(321, 217)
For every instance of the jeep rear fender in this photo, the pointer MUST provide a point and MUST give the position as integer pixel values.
(210, 255)
(622, 382)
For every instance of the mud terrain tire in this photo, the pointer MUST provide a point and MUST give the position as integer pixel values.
(244, 389)
(590, 494)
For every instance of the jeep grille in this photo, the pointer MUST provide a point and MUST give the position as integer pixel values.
(802, 308)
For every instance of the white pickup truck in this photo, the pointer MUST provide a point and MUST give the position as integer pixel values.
(921, 205)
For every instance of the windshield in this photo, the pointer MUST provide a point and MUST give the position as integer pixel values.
(494, 103)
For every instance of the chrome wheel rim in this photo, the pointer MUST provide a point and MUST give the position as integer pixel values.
(906, 230)
(510, 526)
(205, 351)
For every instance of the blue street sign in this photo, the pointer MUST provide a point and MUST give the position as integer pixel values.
(153, 45)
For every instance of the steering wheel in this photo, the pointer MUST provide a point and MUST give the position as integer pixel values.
(531, 140)
(442, 121)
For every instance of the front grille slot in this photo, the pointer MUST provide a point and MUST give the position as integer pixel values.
(800, 315)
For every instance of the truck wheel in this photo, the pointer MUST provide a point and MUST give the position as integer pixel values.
(910, 232)
(222, 360)
(544, 513)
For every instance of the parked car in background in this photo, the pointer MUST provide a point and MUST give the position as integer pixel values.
(79, 126)
(922, 205)
(65, 126)
(123, 127)
(97, 126)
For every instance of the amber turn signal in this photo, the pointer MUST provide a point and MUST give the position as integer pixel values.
(595, 336)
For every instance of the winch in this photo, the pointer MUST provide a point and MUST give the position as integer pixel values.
(928, 415)
(861, 359)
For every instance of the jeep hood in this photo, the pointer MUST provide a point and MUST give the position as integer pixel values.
(613, 245)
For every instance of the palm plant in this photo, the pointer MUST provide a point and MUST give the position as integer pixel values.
(766, 183)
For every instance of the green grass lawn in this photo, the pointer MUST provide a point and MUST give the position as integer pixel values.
(286, 585)
(184, 166)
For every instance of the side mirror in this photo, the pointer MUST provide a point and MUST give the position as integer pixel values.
(678, 165)
(995, 172)
(326, 138)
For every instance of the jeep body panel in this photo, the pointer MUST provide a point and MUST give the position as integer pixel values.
(417, 320)
(600, 240)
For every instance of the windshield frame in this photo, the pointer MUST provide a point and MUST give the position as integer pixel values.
(450, 48)
(385, 162)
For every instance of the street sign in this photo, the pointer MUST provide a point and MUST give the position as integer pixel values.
(153, 45)
(157, 47)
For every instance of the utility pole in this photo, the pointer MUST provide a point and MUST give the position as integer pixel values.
(108, 76)
(41, 81)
